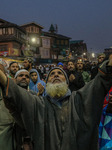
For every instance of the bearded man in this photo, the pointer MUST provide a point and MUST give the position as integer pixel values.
(62, 120)
(13, 68)
(28, 62)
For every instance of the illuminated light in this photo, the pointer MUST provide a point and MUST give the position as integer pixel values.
(93, 55)
(33, 40)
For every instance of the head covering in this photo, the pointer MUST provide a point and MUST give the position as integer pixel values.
(101, 54)
(18, 72)
(33, 86)
(67, 81)
(60, 63)
(34, 70)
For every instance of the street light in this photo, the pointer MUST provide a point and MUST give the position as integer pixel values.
(93, 55)
(33, 40)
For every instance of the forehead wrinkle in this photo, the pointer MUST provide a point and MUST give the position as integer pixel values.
(58, 70)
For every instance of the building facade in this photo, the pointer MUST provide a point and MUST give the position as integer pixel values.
(12, 37)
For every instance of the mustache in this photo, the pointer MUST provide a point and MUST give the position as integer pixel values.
(23, 80)
(56, 79)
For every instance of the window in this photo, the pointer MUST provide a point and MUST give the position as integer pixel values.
(46, 53)
(6, 31)
(37, 50)
(32, 29)
(10, 30)
(37, 30)
(66, 42)
(3, 30)
(0, 31)
(57, 42)
(62, 42)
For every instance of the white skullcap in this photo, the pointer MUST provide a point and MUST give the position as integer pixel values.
(19, 71)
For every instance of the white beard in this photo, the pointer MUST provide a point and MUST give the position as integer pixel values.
(56, 90)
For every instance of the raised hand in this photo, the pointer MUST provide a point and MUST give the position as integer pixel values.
(40, 88)
(71, 77)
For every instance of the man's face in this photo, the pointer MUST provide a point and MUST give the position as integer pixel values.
(26, 64)
(101, 58)
(79, 65)
(70, 66)
(34, 77)
(56, 76)
(56, 85)
(14, 68)
(23, 79)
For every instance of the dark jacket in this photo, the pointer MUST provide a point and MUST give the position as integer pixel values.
(77, 83)
(94, 71)
(74, 126)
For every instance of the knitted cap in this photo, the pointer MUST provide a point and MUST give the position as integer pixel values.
(60, 63)
(67, 81)
(19, 71)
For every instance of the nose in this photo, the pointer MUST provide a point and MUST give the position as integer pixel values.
(56, 75)
(23, 77)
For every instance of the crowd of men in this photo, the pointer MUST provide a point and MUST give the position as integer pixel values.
(53, 107)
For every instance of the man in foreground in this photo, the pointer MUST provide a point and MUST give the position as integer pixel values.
(61, 120)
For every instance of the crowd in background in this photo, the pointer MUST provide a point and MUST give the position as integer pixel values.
(33, 79)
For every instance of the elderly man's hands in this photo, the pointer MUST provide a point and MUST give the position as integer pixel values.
(40, 88)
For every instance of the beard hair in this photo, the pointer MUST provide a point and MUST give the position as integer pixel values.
(56, 90)
(13, 72)
(23, 85)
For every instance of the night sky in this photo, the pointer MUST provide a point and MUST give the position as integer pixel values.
(88, 20)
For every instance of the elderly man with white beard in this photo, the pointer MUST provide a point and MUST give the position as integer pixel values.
(62, 120)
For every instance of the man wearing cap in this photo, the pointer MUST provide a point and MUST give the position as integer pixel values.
(7, 140)
(22, 79)
(94, 71)
(62, 120)
(60, 64)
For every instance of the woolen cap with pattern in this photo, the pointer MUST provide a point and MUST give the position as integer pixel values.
(67, 81)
